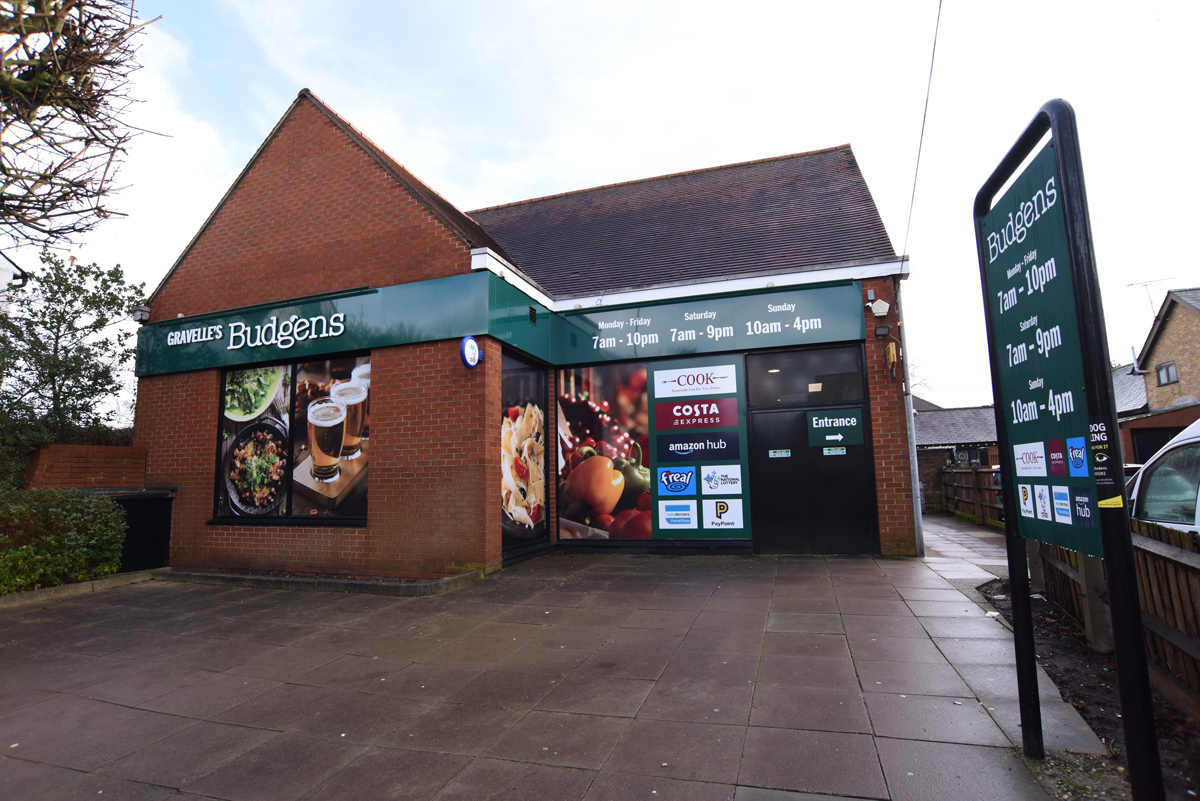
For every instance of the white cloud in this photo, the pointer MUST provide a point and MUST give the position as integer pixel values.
(176, 175)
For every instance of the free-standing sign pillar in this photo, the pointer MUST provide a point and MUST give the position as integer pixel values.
(1055, 417)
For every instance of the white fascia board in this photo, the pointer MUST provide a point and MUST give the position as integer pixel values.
(486, 259)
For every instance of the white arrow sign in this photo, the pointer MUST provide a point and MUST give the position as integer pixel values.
(834, 437)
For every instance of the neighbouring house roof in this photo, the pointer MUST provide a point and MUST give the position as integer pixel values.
(1188, 299)
(804, 212)
(922, 405)
(945, 427)
(1129, 390)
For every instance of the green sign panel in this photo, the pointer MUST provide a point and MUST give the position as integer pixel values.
(423, 311)
(1056, 455)
(699, 448)
(773, 319)
(833, 428)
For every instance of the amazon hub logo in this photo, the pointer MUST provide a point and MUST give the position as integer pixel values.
(698, 447)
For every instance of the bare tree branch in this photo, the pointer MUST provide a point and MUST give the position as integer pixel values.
(64, 82)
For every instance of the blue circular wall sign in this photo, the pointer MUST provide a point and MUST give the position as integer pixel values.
(468, 351)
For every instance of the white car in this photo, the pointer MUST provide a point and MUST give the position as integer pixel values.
(1166, 489)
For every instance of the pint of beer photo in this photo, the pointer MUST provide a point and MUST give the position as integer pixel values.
(353, 393)
(326, 428)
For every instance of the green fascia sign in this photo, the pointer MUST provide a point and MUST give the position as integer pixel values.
(1043, 402)
(746, 321)
(482, 303)
(835, 428)
(423, 311)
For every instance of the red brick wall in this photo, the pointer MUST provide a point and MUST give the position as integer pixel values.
(889, 432)
(1179, 418)
(433, 474)
(314, 214)
(87, 466)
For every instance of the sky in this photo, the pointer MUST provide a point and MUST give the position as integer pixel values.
(494, 101)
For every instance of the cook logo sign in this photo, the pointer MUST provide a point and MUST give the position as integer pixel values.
(718, 379)
(1030, 459)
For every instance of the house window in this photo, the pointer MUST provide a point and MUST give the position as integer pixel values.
(1167, 374)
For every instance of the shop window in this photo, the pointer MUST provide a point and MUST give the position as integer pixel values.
(602, 453)
(523, 435)
(803, 377)
(294, 441)
(1167, 374)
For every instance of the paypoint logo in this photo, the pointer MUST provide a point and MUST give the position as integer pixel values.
(677, 481)
(726, 513)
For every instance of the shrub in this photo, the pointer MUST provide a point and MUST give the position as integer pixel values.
(50, 537)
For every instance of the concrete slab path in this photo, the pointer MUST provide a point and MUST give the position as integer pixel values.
(565, 677)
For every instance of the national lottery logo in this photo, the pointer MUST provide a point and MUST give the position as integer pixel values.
(723, 479)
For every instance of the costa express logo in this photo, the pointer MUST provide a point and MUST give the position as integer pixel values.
(696, 414)
(713, 380)
(697, 447)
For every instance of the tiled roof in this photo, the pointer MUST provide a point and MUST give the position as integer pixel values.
(922, 405)
(796, 213)
(1129, 390)
(971, 426)
(1187, 298)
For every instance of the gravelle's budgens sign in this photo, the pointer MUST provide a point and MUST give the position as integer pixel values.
(1054, 451)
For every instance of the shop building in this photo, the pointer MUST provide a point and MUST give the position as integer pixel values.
(345, 374)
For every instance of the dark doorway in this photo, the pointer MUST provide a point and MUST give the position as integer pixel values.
(808, 498)
(1148, 441)
(812, 487)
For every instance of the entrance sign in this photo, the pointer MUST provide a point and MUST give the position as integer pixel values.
(831, 428)
(1055, 415)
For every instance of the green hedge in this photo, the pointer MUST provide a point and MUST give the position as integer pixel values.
(50, 537)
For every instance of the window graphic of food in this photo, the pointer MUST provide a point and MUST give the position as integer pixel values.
(523, 482)
(257, 468)
(254, 460)
(603, 470)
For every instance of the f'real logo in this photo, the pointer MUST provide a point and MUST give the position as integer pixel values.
(676, 481)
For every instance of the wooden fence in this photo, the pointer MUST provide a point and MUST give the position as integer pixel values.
(1167, 563)
(974, 493)
(1168, 570)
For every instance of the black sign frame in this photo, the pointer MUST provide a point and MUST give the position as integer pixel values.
(1058, 118)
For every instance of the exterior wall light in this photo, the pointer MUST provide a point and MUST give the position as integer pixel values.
(141, 314)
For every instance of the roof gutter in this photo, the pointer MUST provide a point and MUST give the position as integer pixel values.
(487, 259)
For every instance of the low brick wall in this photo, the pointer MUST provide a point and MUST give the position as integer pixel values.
(87, 467)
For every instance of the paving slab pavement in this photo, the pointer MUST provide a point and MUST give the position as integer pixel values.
(565, 677)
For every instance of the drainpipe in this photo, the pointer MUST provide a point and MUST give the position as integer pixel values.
(908, 415)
